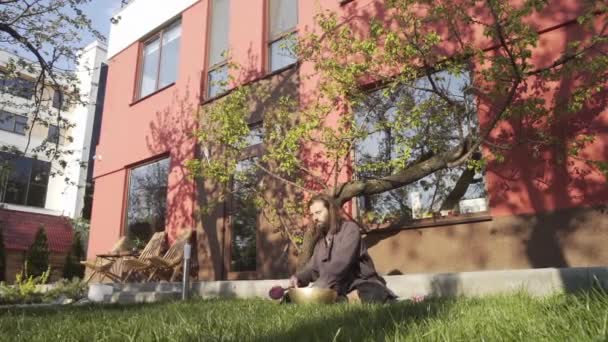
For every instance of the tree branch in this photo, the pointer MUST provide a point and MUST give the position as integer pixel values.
(409, 175)
(279, 178)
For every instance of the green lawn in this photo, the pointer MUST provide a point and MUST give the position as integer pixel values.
(581, 317)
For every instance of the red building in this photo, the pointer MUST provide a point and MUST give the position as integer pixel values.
(162, 61)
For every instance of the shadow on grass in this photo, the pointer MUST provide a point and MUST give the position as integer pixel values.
(341, 322)
(73, 309)
(360, 322)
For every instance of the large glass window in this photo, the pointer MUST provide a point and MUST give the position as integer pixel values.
(20, 87)
(39, 179)
(245, 212)
(217, 78)
(147, 200)
(13, 123)
(283, 19)
(244, 218)
(386, 111)
(160, 60)
(59, 101)
(53, 134)
(23, 181)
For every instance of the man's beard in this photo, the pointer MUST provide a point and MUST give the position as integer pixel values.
(323, 227)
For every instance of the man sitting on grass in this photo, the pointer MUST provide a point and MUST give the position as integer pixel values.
(340, 260)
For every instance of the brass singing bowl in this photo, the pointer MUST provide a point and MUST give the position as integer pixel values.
(312, 295)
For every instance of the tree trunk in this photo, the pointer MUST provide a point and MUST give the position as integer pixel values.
(308, 246)
(459, 189)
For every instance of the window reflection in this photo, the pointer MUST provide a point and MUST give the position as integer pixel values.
(23, 180)
(393, 117)
(147, 200)
(245, 217)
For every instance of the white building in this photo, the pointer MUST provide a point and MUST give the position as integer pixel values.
(30, 185)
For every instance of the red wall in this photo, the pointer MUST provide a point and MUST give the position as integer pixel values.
(155, 126)
(158, 125)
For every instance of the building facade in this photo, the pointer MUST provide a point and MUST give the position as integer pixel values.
(48, 192)
(165, 62)
(32, 193)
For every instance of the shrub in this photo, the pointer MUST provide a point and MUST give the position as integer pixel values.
(74, 289)
(25, 290)
(72, 267)
(38, 254)
(2, 256)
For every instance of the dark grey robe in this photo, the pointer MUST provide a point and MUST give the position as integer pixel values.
(341, 262)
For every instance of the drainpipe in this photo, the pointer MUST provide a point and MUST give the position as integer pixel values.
(186, 271)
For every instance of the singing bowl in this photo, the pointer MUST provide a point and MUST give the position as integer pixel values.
(312, 295)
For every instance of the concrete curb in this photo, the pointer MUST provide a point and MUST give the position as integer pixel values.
(536, 282)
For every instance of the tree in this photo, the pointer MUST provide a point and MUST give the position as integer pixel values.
(2, 256)
(37, 257)
(454, 86)
(47, 35)
(72, 267)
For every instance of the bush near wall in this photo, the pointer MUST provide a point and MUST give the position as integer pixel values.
(38, 254)
(2, 256)
(73, 268)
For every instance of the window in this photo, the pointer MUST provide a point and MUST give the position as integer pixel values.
(23, 180)
(13, 123)
(283, 19)
(58, 100)
(147, 200)
(244, 218)
(53, 134)
(244, 210)
(20, 87)
(447, 192)
(39, 179)
(217, 77)
(218, 81)
(160, 60)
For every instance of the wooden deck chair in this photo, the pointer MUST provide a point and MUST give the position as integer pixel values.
(104, 267)
(172, 261)
(131, 266)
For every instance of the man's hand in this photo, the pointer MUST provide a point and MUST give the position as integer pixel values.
(293, 281)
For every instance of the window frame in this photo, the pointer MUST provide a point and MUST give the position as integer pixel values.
(158, 34)
(211, 69)
(14, 119)
(252, 151)
(4, 179)
(62, 100)
(221, 64)
(48, 134)
(18, 92)
(127, 190)
(270, 39)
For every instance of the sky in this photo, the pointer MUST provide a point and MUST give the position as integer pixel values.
(100, 12)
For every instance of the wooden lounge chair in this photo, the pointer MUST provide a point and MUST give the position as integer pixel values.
(131, 266)
(103, 267)
(170, 263)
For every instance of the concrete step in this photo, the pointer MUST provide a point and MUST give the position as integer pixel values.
(129, 297)
(537, 282)
(147, 287)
